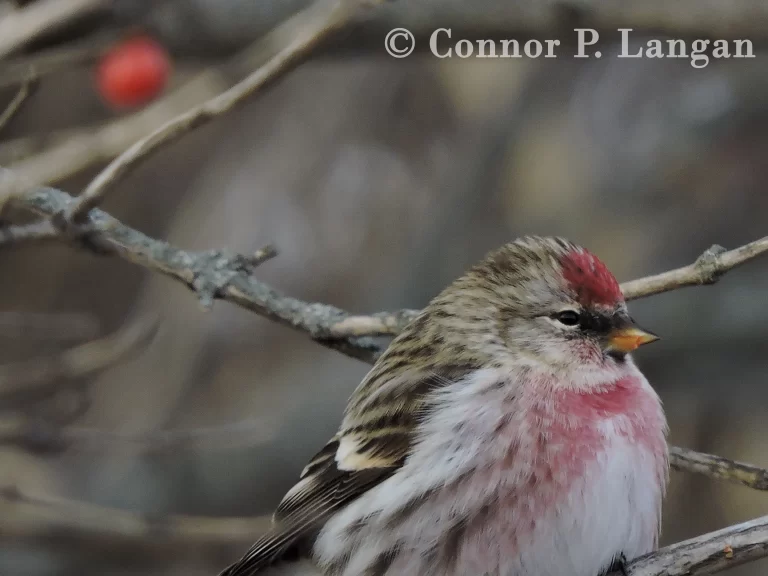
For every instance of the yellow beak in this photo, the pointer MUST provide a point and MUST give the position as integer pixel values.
(630, 338)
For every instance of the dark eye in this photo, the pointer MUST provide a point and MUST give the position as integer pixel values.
(568, 317)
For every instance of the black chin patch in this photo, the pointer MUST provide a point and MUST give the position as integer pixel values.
(617, 355)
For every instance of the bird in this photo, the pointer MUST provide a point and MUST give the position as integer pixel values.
(506, 431)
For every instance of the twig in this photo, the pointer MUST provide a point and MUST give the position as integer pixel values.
(48, 325)
(18, 100)
(33, 232)
(32, 376)
(318, 22)
(211, 274)
(717, 467)
(707, 269)
(23, 26)
(89, 146)
(32, 516)
(76, 53)
(42, 435)
(11, 186)
(706, 554)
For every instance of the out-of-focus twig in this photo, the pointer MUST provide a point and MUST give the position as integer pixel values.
(34, 375)
(93, 145)
(42, 435)
(48, 325)
(706, 554)
(25, 515)
(24, 233)
(309, 27)
(20, 27)
(25, 89)
(77, 53)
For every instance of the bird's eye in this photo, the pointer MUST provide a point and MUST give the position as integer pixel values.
(568, 317)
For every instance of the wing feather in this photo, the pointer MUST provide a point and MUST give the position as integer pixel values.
(375, 439)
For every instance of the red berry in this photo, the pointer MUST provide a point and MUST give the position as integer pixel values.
(133, 72)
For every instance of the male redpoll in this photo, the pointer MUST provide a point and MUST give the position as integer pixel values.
(505, 432)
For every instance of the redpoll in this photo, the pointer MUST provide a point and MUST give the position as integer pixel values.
(506, 432)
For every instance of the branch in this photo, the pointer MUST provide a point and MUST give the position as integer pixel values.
(37, 375)
(707, 269)
(27, 516)
(706, 554)
(219, 275)
(21, 27)
(25, 89)
(717, 467)
(43, 436)
(308, 29)
(48, 325)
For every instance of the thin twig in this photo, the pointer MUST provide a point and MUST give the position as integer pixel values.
(21, 27)
(48, 325)
(707, 269)
(24, 233)
(32, 516)
(706, 554)
(25, 89)
(717, 467)
(318, 22)
(44, 435)
(70, 55)
(29, 377)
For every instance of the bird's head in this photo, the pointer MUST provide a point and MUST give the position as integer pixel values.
(543, 301)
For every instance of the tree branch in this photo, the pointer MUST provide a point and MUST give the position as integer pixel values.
(221, 275)
(21, 27)
(707, 269)
(32, 516)
(308, 29)
(32, 376)
(25, 89)
(707, 554)
(717, 467)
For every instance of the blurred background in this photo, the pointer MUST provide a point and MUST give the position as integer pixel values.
(380, 181)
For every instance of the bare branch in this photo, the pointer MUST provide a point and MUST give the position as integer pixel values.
(720, 468)
(34, 232)
(707, 554)
(48, 325)
(378, 324)
(28, 377)
(18, 100)
(22, 26)
(76, 53)
(309, 28)
(32, 516)
(43, 435)
(707, 269)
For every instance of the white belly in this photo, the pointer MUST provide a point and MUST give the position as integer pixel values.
(504, 497)
(614, 509)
